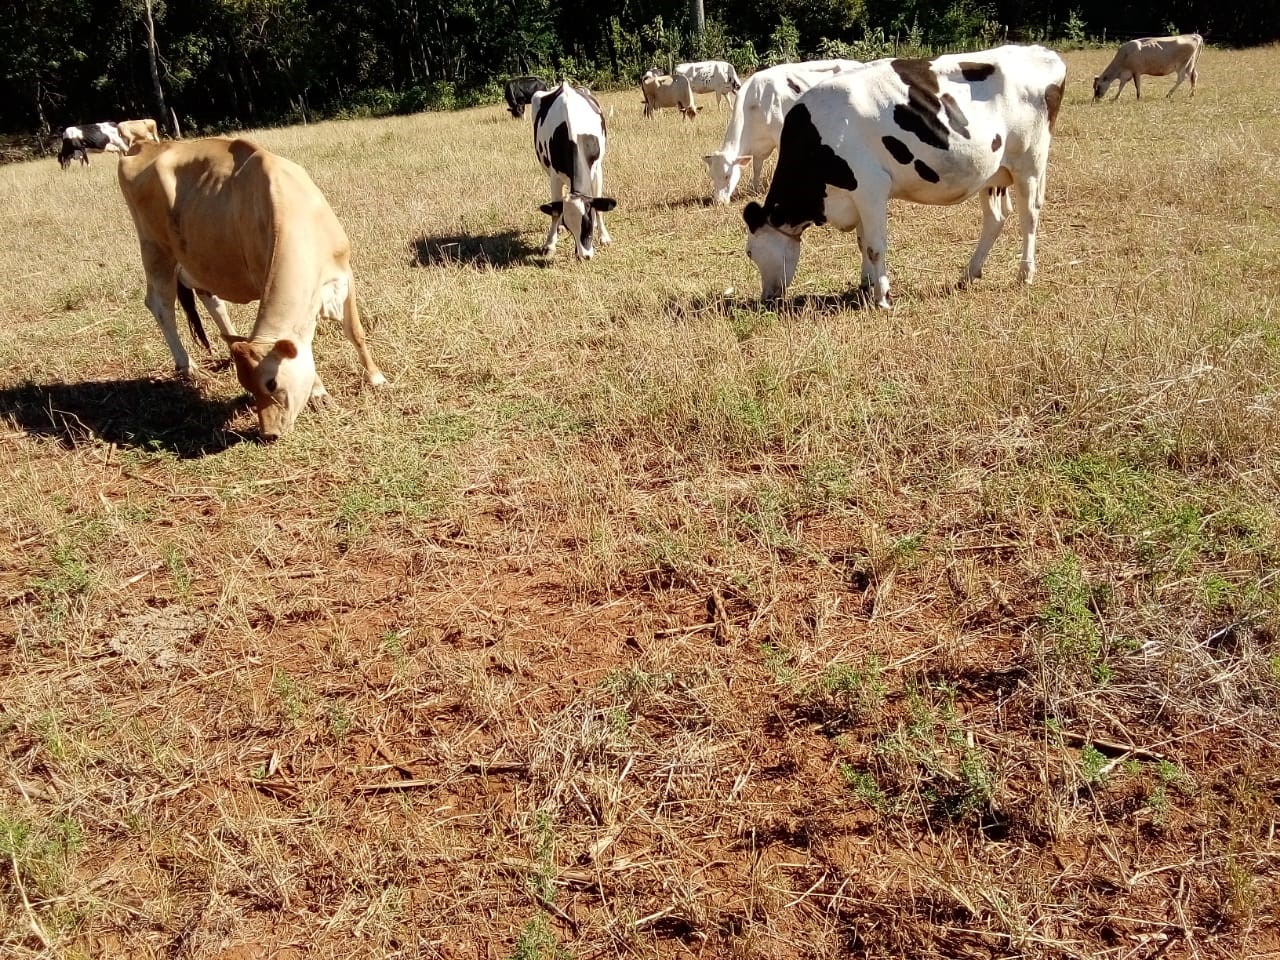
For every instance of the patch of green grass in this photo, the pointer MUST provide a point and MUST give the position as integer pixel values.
(1069, 619)
(537, 941)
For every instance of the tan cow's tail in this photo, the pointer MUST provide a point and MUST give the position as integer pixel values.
(188, 300)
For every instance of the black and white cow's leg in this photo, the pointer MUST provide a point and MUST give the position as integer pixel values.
(994, 212)
(864, 281)
(873, 217)
(554, 209)
(597, 190)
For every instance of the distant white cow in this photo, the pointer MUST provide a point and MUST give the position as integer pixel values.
(569, 139)
(711, 76)
(756, 123)
(662, 92)
(930, 131)
(1151, 57)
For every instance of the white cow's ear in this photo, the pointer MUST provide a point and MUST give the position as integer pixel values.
(553, 209)
(743, 161)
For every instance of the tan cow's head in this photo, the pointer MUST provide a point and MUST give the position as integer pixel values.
(280, 377)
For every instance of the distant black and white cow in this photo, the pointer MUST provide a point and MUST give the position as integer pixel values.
(78, 141)
(519, 93)
(711, 76)
(930, 131)
(569, 139)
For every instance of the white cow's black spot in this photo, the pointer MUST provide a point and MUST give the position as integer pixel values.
(996, 143)
(976, 72)
(795, 87)
(955, 116)
(806, 167)
(926, 172)
(919, 115)
(897, 149)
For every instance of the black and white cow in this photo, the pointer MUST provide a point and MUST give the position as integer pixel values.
(78, 141)
(930, 131)
(519, 93)
(569, 139)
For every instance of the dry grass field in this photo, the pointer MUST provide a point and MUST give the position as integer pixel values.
(634, 619)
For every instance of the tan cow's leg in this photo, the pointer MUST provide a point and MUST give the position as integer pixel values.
(218, 310)
(1137, 86)
(162, 292)
(354, 331)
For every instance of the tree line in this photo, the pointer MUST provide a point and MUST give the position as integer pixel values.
(223, 64)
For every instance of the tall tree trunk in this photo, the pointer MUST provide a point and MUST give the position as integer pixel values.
(153, 52)
(699, 17)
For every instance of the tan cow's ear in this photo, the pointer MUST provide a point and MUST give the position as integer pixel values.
(743, 161)
(241, 349)
(286, 348)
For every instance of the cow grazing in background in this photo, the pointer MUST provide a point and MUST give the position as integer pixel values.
(756, 123)
(519, 93)
(711, 76)
(133, 131)
(930, 131)
(78, 141)
(232, 221)
(1151, 57)
(569, 139)
(662, 92)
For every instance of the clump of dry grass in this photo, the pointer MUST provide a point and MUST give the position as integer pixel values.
(636, 618)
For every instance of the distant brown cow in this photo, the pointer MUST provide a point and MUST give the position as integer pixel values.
(1151, 57)
(661, 92)
(135, 131)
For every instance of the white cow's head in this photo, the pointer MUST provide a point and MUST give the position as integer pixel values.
(725, 174)
(774, 252)
(577, 212)
(279, 376)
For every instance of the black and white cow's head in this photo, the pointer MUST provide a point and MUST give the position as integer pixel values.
(577, 212)
(569, 139)
(796, 200)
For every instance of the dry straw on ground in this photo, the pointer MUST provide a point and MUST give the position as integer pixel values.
(634, 619)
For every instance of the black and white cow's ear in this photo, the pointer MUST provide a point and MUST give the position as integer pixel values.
(754, 216)
(553, 209)
(603, 204)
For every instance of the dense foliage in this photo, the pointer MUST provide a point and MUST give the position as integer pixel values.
(224, 63)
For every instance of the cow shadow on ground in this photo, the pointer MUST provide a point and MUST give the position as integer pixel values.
(155, 415)
(508, 248)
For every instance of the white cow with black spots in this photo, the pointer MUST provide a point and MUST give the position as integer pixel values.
(756, 122)
(569, 139)
(930, 131)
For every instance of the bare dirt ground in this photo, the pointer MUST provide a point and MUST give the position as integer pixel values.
(634, 619)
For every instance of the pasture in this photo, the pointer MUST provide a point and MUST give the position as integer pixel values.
(633, 619)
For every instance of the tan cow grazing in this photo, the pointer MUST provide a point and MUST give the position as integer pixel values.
(132, 131)
(232, 221)
(1151, 57)
(661, 92)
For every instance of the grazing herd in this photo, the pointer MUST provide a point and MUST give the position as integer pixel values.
(226, 220)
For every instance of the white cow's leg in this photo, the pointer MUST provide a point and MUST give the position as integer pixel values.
(757, 165)
(1028, 198)
(993, 215)
(597, 190)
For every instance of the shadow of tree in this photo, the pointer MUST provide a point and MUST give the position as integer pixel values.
(508, 248)
(170, 415)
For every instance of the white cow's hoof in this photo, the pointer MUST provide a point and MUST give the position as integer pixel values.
(1027, 273)
(377, 380)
